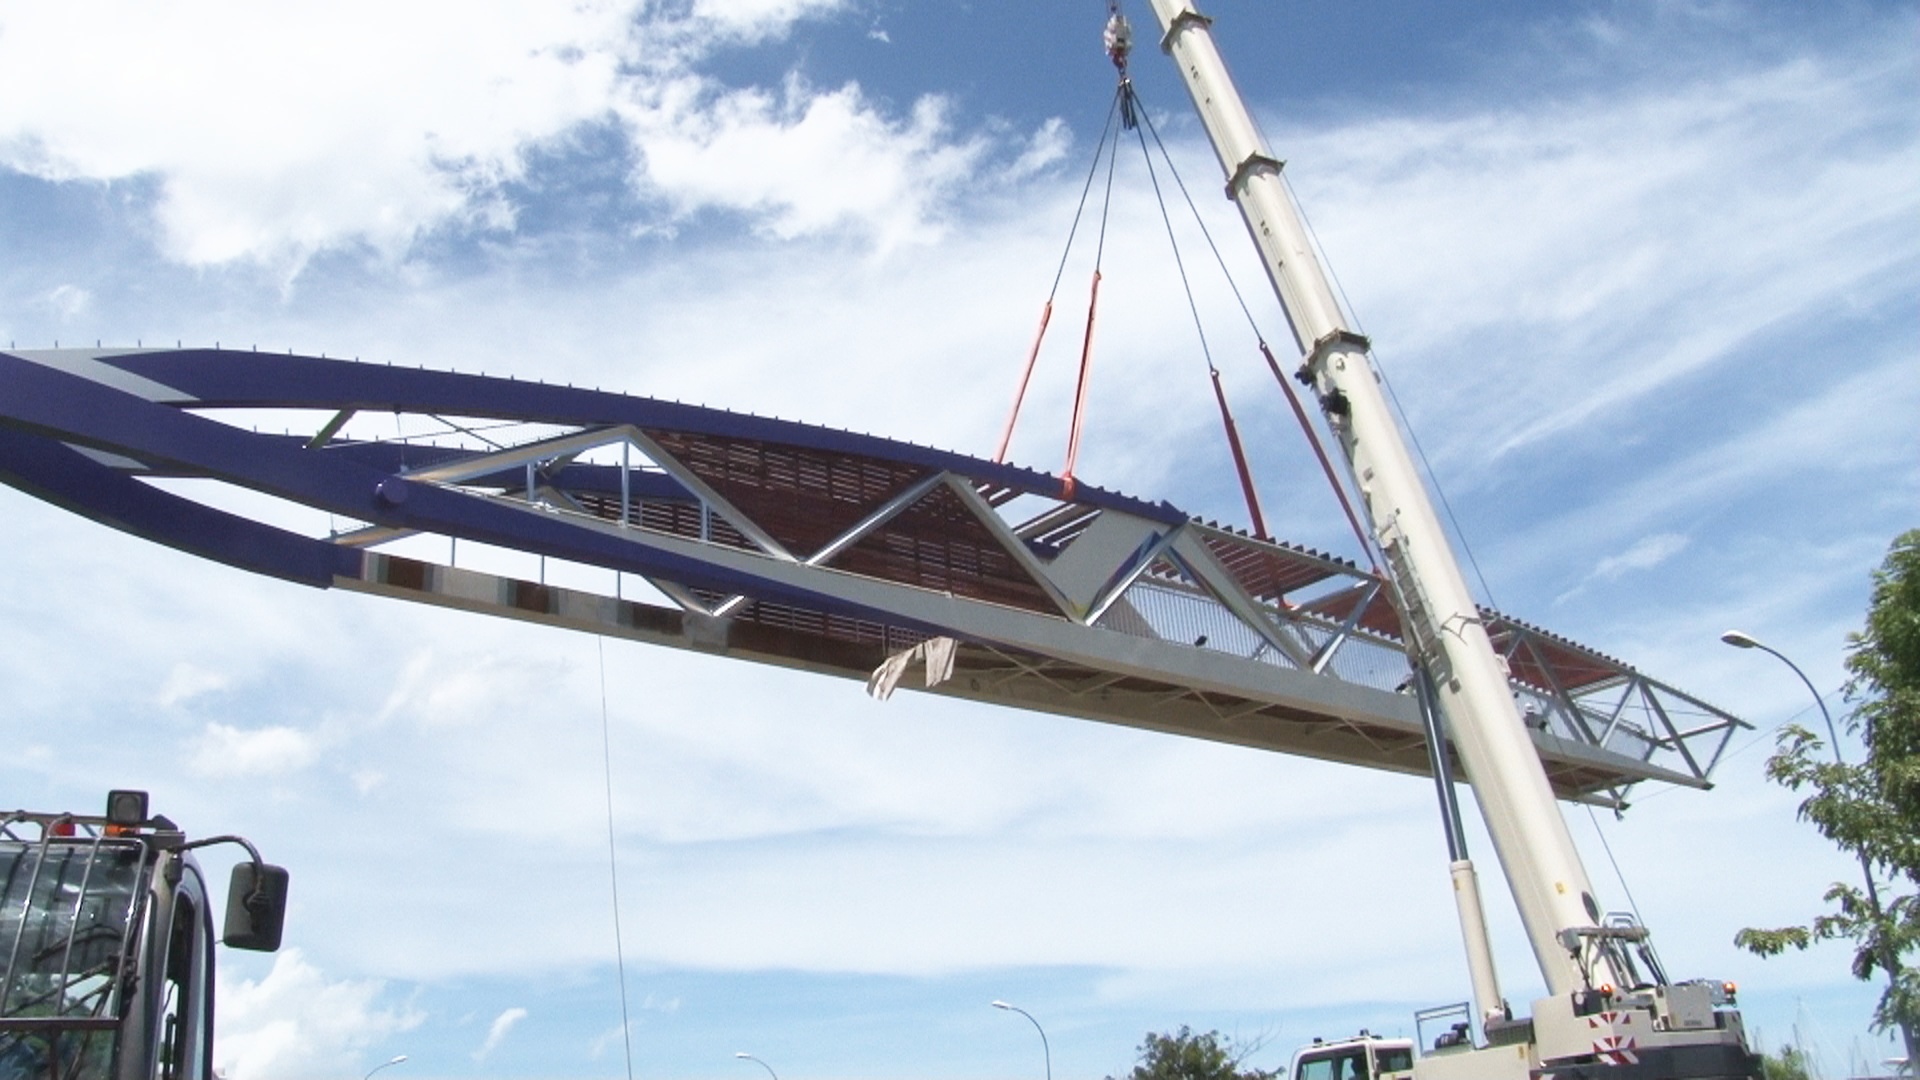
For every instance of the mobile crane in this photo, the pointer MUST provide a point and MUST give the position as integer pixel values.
(106, 943)
(1605, 1015)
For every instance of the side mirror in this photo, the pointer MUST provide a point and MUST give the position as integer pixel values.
(256, 907)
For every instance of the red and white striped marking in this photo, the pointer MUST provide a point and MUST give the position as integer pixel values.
(1613, 1049)
(1616, 1050)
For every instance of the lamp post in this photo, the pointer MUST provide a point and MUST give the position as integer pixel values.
(395, 1060)
(1741, 640)
(1044, 1048)
(744, 1056)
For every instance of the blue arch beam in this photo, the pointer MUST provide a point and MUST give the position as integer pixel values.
(792, 544)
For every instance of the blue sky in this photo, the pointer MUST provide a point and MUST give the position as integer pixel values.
(1643, 276)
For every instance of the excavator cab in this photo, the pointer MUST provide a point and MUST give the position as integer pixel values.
(106, 943)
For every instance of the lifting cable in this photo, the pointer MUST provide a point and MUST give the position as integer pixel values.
(1046, 311)
(1119, 42)
(1286, 385)
(1200, 331)
(1118, 38)
(613, 855)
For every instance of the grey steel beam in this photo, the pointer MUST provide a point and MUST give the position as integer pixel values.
(1384, 734)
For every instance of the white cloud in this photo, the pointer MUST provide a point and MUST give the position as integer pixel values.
(68, 302)
(754, 20)
(1645, 554)
(187, 682)
(266, 145)
(497, 1031)
(222, 750)
(262, 152)
(1811, 441)
(802, 162)
(298, 1022)
(1047, 145)
(614, 1036)
(1597, 251)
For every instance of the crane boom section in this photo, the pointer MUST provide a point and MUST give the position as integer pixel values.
(1445, 632)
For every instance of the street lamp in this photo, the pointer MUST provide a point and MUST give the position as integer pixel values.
(395, 1060)
(1740, 640)
(1044, 1048)
(743, 1055)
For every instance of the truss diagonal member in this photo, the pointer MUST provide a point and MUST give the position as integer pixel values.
(715, 502)
(330, 429)
(880, 515)
(1037, 670)
(1660, 711)
(1199, 561)
(1015, 548)
(859, 531)
(1130, 572)
(679, 594)
(1628, 688)
(1566, 701)
(373, 535)
(470, 432)
(1724, 722)
(1367, 591)
(526, 453)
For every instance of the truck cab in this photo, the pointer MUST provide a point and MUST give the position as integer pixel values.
(1365, 1056)
(106, 943)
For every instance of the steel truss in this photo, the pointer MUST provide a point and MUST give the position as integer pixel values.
(789, 544)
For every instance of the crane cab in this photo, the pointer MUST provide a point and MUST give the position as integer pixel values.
(106, 943)
(1365, 1056)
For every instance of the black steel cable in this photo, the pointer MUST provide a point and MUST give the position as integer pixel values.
(613, 858)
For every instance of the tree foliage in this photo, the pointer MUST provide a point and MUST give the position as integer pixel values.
(1870, 808)
(1187, 1056)
(1789, 1064)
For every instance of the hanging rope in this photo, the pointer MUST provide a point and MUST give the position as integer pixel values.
(1307, 429)
(1199, 328)
(1119, 41)
(1046, 310)
(613, 856)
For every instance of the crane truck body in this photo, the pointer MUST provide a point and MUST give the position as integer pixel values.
(106, 943)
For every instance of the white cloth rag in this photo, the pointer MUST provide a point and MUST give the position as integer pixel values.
(936, 653)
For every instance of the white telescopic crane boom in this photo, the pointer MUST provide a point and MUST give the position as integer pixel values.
(1441, 622)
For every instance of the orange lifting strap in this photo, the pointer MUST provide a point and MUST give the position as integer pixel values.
(1239, 457)
(1020, 395)
(1080, 394)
